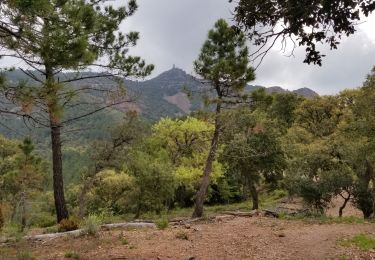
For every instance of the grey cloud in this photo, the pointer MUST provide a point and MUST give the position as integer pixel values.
(173, 31)
(342, 68)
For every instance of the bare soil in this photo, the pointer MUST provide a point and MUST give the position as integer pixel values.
(226, 238)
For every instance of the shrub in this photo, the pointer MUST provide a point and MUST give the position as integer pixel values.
(182, 235)
(162, 223)
(43, 220)
(12, 230)
(68, 224)
(72, 254)
(25, 255)
(92, 224)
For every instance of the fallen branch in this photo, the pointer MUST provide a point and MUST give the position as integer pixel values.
(79, 232)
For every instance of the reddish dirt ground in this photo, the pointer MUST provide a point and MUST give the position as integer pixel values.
(229, 238)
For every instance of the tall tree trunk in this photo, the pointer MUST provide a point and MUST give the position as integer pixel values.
(254, 195)
(55, 127)
(201, 195)
(58, 180)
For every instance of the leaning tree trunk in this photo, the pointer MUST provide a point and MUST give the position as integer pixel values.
(58, 181)
(341, 209)
(201, 195)
(254, 196)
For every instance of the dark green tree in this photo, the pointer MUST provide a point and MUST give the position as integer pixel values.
(224, 65)
(253, 151)
(309, 22)
(52, 36)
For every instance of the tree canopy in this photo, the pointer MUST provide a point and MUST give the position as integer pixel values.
(305, 23)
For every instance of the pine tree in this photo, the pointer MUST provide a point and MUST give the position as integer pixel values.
(53, 36)
(224, 64)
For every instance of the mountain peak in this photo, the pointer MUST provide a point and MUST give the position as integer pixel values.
(174, 74)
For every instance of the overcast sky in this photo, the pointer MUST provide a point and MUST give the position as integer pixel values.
(173, 31)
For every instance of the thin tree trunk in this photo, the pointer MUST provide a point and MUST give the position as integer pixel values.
(58, 180)
(1, 217)
(245, 189)
(23, 211)
(341, 209)
(254, 196)
(201, 195)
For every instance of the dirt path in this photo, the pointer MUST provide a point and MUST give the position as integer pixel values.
(238, 238)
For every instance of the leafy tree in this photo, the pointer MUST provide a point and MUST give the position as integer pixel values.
(187, 142)
(154, 180)
(359, 132)
(253, 151)
(110, 154)
(320, 116)
(52, 36)
(23, 176)
(111, 192)
(224, 64)
(283, 108)
(306, 23)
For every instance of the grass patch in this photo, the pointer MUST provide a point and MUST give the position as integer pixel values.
(362, 241)
(25, 255)
(91, 225)
(72, 255)
(323, 219)
(162, 223)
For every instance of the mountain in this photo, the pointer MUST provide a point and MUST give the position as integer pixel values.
(162, 96)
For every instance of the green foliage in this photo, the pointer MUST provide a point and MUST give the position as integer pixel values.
(25, 255)
(162, 223)
(309, 22)
(362, 241)
(72, 255)
(111, 191)
(70, 224)
(224, 61)
(182, 235)
(91, 224)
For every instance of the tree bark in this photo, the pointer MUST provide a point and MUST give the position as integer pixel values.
(201, 195)
(254, 196)
(341, 209)
(58, 180)
(1, 217)
(23, 211)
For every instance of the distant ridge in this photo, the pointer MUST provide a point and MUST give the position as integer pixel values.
(164, 94)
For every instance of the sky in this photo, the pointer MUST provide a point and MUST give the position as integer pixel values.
(173, 31)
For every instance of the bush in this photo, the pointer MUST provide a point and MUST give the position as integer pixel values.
(12, 230)
(92, 224)
(162, 223)
(363, 200)
(43, 220)
(73, 255)
(68, 224)
(182, 235)
(25, 255)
